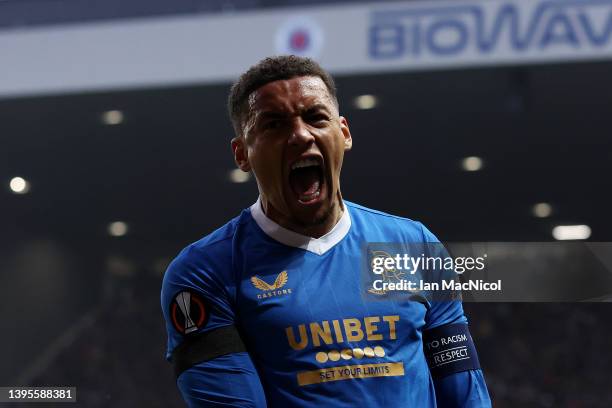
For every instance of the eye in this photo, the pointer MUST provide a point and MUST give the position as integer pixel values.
(317, 118)
(273, 124)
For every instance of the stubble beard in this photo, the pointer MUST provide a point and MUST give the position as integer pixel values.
(317, 221)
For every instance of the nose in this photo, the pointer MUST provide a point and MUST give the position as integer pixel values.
(300, 135)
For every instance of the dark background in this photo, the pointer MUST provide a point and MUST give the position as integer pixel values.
(81, 308)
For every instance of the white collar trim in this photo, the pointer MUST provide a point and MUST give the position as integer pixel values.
(315, 245)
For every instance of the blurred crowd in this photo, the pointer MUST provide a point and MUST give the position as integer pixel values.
(118, 361)
(544, 354)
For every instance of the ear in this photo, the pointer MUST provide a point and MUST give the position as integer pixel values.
(241, 155)
(348, 139)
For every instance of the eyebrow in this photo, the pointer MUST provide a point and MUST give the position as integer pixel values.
(265, 115)
(270, 115)
(316, 107)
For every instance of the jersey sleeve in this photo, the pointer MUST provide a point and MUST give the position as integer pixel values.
(442, 312)
(212, 366)
(459, 383)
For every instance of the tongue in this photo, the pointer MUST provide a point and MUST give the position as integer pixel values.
(305, 181)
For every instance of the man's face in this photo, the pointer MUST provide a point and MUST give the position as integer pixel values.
(294, 141)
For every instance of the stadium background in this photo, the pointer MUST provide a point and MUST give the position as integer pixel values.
(121, 176)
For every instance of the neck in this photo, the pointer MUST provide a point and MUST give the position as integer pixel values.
(315, 230)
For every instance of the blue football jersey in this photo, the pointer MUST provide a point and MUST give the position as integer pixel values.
(312, 338)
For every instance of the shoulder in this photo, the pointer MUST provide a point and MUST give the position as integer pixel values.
(214, 244)
(369, 212)
(389, 224)
(209, 257)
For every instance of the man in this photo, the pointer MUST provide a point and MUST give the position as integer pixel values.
(268, 310)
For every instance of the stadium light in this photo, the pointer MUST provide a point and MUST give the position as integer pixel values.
(542, 210)
(471, 163)
(112, 117)
(571, 232)
(239, 176)
(117, 229)
(365, 102)
(19, 185)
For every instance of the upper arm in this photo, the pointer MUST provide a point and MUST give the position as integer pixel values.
(450, 350)
(204, 345)
(195, 299)
(452, 357)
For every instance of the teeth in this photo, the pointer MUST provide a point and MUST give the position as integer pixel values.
(310, 196)
(304, 163)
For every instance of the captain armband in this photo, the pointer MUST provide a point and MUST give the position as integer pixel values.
(449, 349)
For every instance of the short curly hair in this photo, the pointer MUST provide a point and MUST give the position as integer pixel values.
(269, 70)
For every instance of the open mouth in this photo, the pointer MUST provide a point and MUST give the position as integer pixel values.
(306, 179)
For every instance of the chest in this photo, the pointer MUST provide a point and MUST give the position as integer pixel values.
(299, 302)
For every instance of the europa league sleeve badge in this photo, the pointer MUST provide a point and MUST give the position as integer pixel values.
(188, 312)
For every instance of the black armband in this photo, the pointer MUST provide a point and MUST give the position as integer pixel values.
(449, 349)
(205, 346)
